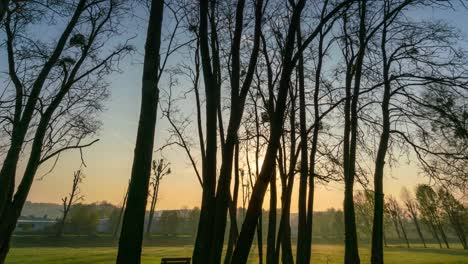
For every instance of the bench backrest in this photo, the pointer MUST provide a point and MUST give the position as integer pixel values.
(175, 261)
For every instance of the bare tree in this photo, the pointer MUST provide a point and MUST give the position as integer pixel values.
(216, 197)
(58, 90)
(160, 169)
(289, 59)
(74, 197)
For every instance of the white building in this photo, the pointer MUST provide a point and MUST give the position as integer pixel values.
(33, 225)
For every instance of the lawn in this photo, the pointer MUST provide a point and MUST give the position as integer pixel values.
(321, 254)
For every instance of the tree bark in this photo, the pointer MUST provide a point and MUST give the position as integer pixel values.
(130, 242)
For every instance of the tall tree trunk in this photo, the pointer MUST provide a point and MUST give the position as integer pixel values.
(303, 245)
(351, 240)
(313, 150)
(131, 236)
(238, 96)
(204, 239)
(285, 239)
(233, 230)
(377, 227)
(271, 236)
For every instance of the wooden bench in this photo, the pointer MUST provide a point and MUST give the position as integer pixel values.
(175, 261)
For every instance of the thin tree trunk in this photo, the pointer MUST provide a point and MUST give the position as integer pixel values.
(233, 230)
(418, 228)
(131, 236)
(119, 220)
(442, 233)
(377, 226)
(286, 247)
(303, 245)
(204, 238)
(434, 233)
(287, 253)
(271, 237)
(395, 224)
(351, 240)
(154, 199)
(403, 231)
(260, 239)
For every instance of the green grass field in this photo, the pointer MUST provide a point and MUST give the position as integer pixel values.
(321, 254)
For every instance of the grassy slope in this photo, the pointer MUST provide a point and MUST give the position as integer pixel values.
(321, 254)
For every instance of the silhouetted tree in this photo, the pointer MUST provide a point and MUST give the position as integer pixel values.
(289, 60)
(160, 169)
(68, 201)
(134, 216)
(56, 96)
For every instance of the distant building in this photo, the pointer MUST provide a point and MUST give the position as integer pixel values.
(28, 225)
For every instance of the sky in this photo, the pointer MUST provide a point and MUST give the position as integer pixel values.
(109, 160)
